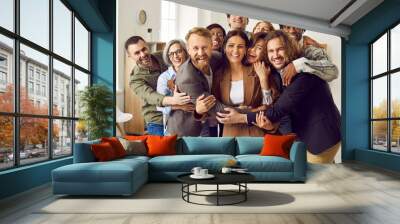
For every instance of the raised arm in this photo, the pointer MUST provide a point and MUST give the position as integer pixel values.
(316, 62)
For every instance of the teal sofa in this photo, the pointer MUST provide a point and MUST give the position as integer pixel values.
(125, 176)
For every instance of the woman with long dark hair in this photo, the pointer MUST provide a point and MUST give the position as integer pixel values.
(236, 83)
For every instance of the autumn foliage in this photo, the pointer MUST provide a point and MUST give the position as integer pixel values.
(380, 127)
(33, 130)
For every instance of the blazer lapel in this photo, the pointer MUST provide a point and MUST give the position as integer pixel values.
(248, 85)
(225, 87)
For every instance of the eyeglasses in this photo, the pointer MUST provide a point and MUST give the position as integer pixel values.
(177, 52)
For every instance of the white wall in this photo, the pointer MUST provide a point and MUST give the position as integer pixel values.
(187, 18)
(127, 26)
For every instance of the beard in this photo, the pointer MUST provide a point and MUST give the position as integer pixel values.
(201, 62)
(145, 61)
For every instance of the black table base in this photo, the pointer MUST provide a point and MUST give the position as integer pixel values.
(220, 193)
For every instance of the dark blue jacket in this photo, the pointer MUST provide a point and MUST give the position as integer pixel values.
(313, 113)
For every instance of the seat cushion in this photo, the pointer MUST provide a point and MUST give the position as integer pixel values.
(185, 163)
(257, 163)
(112, 171)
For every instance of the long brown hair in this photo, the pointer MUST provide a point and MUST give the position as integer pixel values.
(292, 48)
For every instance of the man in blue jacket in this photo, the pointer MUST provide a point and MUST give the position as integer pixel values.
(308, 101)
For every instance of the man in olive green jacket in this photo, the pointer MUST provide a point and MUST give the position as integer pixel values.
(143, 81)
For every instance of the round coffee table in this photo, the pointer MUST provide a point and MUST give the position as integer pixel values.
(238, 179)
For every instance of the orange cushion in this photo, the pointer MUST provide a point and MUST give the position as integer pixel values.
(116, 145)
(103, 151)
(161, 145)
(277, 145)
(134, 137)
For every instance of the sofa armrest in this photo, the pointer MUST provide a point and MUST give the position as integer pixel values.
(298, 156)
(83, 152)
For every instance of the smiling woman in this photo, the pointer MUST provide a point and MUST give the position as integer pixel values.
(236, 84)
(174, 55)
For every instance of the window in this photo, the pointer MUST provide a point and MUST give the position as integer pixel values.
(37, 75)
(62, 29)
(46, 129)
(168, 21)
(81, 45)
(30, 72)
(34, 22)
(3, 80)
(30, 87)
(44, 91)
(3, 72)
(3, 61)
(385, 94)
(62, 74)
(6, 68)
(38, 89)
(7, 14)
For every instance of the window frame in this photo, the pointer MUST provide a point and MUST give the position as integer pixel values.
(15, 71)
(388, 74)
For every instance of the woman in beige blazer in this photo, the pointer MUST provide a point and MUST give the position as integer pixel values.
(236, 84)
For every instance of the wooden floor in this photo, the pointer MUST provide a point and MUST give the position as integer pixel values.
(377, 188)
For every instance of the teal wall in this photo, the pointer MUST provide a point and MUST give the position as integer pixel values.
(356, 85)
(99, 16)
(24, 178)
(103, 63)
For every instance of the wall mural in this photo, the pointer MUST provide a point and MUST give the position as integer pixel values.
(219, 82)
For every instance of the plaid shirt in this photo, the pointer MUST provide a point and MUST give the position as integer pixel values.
(315, 61)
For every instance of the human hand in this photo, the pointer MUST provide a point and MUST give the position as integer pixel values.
(189, 107)
(310, 42)
(261, 70)
(171, 84)
(231, 117)
(263, 122)
(204, 104)
(180, 98)
(288, 73)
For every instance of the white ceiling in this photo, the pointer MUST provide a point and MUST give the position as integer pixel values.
(316, 15)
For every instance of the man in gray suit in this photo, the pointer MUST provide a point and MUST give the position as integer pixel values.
(195, 79)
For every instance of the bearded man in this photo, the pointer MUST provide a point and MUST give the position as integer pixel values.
(195, 78)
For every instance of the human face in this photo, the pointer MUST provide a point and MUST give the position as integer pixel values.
(262, 27)
(199, 49)
(276, 52)
(235, 49)
(140, 53)
(176, 55)
(255, 53)
(237, 22)
(217, 37)
(293, 32)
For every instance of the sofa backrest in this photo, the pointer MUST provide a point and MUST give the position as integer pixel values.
(206, 145)
(83, 152)
(249, 145)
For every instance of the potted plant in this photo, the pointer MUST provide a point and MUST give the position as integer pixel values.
(96, 104)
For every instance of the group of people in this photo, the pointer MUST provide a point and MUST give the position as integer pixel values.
(239, 83)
